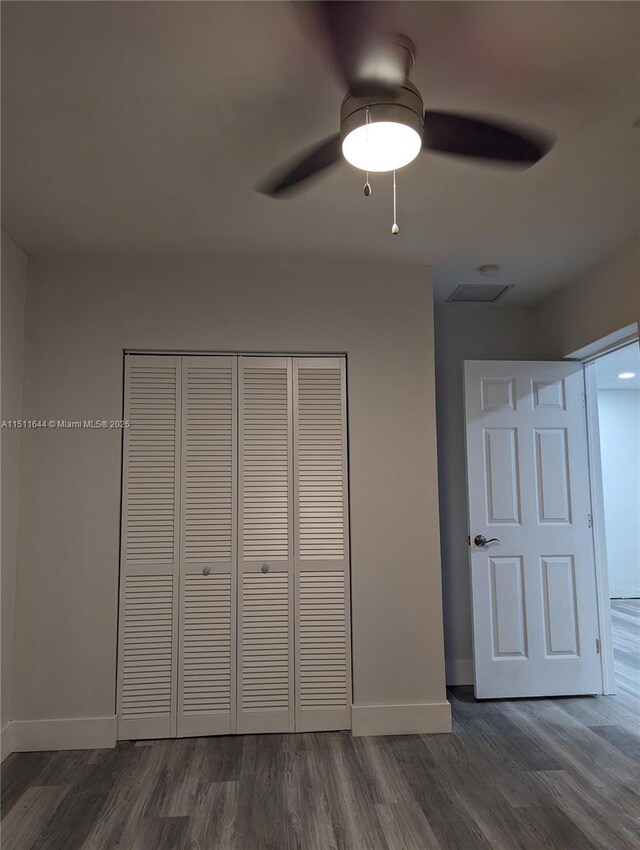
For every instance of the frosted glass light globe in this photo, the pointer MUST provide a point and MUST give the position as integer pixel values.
(381, 146)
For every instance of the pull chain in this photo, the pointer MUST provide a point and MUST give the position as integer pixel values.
(394, 229)
(367, 185)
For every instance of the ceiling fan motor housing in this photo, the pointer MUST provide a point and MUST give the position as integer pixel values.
(402, 104)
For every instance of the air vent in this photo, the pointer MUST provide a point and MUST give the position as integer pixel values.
(479, 292)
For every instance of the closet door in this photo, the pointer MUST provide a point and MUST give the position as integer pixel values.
(149, 549)
(265, 587)
(322, 639)
(207, 639)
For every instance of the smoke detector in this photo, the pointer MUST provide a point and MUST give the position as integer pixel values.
(489, 270)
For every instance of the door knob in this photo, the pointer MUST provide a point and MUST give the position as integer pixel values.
(265, 568)
(480, 540)
(206, 571)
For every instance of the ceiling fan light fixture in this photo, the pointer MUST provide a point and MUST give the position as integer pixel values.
(382, 134)
(381, 146)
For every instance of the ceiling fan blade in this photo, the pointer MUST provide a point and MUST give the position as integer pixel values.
(315, 160)
(351, 33)
(343, 26)
(467, 135)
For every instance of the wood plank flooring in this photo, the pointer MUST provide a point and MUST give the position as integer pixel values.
(562, 774)
(625, 626)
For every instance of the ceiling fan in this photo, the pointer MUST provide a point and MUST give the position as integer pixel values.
(383, 123)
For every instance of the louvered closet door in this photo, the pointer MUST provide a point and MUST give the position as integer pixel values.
(149, 549)
(265, 515)
(207, 640)
(322, 634)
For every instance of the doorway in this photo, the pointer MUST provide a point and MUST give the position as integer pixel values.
(613, 382)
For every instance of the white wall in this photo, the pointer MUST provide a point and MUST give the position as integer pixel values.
(14, 288)
(84, 314)
(593, 306)
(619, 415)
(466, 332)
(81, 317)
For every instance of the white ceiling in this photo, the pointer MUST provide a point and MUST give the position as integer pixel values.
(134, 128)
(608, 368)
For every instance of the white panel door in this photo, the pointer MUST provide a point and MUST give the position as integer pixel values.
(207, 639)
(147, 643)
(265, 546)
(533, 589)
(323, 675)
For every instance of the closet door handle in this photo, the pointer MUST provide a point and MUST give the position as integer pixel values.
(206, 570)
(265, 568)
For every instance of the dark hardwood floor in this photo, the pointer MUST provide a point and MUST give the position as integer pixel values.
(529, 774)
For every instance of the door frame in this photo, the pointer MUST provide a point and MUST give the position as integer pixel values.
(589, 356)
(598, 529)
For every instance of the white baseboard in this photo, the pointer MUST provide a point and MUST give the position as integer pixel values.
(624, 593)
(401, 719)
(459, 671)
(78, 733)
(6, 741)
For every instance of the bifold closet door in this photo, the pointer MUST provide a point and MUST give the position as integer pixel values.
(322, 633)
(208, 534)
(234, 593)
(148, 643)
(265, 558)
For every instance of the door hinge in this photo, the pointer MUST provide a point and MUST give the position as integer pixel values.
(583, 401)
(597, 646)
(589, 521)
